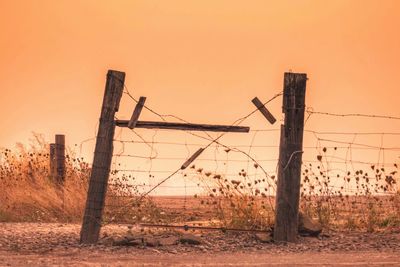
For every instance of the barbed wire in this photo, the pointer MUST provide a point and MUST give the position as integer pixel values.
(329, 164)
(209, 138)
(310, 111)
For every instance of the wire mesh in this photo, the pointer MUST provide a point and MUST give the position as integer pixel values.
(345, 170)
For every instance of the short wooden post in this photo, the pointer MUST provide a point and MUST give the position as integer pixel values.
(52, 158)
(60, 158)
(102, 158)
(290, 156)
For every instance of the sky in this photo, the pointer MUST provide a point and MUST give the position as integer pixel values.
(200, 60)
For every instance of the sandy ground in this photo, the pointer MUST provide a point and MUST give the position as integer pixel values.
(49, 244)
(149, 258)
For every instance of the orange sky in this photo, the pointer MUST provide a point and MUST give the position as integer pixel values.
(201, 60)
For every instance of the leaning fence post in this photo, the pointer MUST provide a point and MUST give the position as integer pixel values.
(290, 156)
(102, 158)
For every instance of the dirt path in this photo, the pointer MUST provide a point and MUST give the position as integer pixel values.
(46, 244)
(151, 258)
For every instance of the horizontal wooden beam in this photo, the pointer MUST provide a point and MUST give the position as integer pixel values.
(184, 126)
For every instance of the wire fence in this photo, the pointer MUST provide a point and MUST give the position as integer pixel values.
(337, 166)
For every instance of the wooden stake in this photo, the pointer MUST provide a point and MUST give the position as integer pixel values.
(264, 110)
(102, 158)
(136, 113)
(290, 155)
(192, 158)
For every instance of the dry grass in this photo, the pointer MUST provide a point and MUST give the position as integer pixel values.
(367, 199)
(238, 203)
(31, 194)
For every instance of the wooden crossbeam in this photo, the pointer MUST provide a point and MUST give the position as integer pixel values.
(192, 158)
(264, 110)
(136, 113)
(184, 126)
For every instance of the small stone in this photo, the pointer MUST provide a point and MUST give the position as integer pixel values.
(107, 241)
(308, 226)
(202, 248)
(120, 241)
(190, 239)
(151, 242)
(156, 250)
(131, 237)
(174, 251)
(136, 242)
(264, 237)
(325, 235)
(169, 241)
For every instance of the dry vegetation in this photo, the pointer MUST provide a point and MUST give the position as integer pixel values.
(31, 194)
(238, 203)
(363, 200)
(29, 191)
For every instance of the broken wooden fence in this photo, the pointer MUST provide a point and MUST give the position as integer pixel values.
(104, 149)
(290, 152)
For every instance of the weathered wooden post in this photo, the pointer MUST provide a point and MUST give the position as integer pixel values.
(60, 158)
(290, 156)
(57, 159)
(102, 158)
(52, 157)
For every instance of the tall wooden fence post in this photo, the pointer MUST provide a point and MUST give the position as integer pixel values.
(102, 158)
(290, 157)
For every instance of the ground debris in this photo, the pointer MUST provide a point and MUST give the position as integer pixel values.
(263, 237)
(64, 240)
(190, 239)
(169, 241)
(308, 226)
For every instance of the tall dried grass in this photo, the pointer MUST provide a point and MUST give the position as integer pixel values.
(243, 202)
(363, 199)
(29, 193)
(367, 198)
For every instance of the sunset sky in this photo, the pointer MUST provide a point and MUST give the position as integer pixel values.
(201, 60)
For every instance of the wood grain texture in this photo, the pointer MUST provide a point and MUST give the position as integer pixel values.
(185, 126)
(53, 169)
(192, 158)
(136, 113)
(102, 159)
(60, 157)
(264, 111)
(290, 157)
